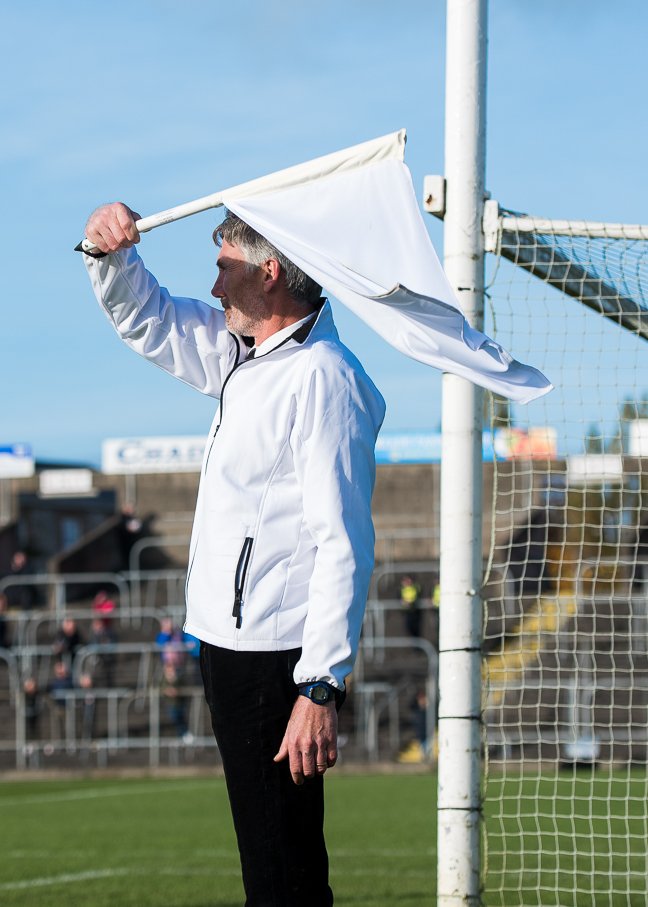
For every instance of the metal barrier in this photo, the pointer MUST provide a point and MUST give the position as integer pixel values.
(138, 590)
(133, 719)
(59, 581)
(431, 673)
(374, 628)
(136, 574)
(71, 732)
(390, 536)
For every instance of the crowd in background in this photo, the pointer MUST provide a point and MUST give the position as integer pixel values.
(176, 668)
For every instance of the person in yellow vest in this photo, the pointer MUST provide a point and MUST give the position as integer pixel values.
(410, 596)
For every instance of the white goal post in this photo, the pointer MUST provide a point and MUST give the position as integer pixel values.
(556, 597)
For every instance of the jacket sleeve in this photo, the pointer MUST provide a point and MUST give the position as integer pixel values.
(185, 337)
(338, 421)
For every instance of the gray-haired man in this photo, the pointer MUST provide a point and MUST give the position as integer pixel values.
(282, 547)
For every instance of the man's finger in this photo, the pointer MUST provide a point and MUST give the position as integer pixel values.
(310, 763)
(296, 767)
(126, 219)
(283, 751)
(321, 759)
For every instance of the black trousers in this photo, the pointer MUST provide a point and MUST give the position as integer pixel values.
(279, 825)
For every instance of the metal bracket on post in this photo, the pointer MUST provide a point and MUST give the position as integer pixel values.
(434, 195)
(491, 225)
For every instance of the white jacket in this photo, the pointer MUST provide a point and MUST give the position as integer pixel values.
(282, 545)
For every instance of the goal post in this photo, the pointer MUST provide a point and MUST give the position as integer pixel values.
(459, 711)
(543, 654)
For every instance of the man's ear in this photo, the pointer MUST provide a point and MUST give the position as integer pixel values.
(271, 270)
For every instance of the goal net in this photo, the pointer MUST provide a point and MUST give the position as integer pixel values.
(565, 709)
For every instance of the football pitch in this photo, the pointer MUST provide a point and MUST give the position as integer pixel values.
(169, 841)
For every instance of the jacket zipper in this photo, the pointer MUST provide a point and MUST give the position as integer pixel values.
(239, 579)
(220, 402)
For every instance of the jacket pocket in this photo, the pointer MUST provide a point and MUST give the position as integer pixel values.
(239, 579)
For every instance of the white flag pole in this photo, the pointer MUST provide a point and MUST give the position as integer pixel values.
(459, 734)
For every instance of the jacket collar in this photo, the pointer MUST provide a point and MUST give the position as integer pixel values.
(321, 327)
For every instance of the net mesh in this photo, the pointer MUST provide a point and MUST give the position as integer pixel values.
(566, 591)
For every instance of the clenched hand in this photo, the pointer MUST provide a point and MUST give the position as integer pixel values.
(112, 227)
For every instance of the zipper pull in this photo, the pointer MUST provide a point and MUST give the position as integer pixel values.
(236, 610)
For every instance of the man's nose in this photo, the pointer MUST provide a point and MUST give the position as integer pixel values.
(216, 289)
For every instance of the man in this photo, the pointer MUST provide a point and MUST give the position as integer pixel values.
(409, 595)
(282, 547)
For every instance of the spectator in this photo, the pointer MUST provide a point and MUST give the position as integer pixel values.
(192, 645)
(88, 704)
(417, 750)
(434, 615)
(174, 702)
(33, 707)
(103, 606)
(170, 640)
(102, 634)
(22, 595)
(67, 641)
(58, 687)
(410, 600)
(130, 530)
(5, 642)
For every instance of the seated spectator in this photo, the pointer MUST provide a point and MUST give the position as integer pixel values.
(33, 707)
(192, 645)
(5, 642)
(103, 635)
(418, 750)
(103, 606)
(170, 640)
(67, 641)
(88, 704)
(174, 702)
(59, 685)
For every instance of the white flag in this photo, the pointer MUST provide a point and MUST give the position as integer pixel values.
(351, 221)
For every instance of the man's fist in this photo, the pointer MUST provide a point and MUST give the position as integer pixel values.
(112, 227)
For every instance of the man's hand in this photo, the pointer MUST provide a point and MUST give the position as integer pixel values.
(310, 741)
(112, 227)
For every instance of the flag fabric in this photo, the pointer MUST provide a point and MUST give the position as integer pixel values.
(352, 223)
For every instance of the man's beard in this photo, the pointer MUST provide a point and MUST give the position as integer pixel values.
(246, 317)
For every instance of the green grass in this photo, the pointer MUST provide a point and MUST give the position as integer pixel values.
(554, 840)
(171, 843)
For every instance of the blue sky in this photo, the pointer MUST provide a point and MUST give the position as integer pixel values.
(156, 102)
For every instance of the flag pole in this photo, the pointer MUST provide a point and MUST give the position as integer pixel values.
(459, 733)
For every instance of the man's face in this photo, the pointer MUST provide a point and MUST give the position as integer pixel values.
(239, 288)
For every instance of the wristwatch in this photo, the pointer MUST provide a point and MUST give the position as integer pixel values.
(319, 692)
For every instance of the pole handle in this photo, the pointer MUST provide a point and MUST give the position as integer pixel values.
(145, 224)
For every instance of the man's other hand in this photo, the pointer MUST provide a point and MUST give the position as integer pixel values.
(112, 227)
(310, 741)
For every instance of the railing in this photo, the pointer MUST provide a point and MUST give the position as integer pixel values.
(58, 582)
(134, 713)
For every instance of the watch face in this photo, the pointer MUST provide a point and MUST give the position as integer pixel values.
(320, 693)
